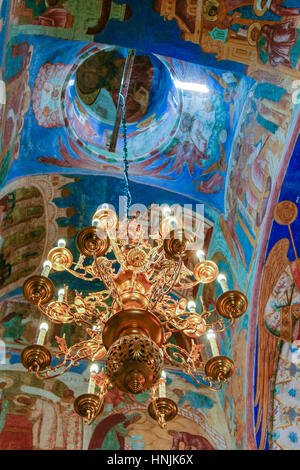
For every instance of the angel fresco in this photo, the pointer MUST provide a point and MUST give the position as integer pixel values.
(279, 311)
(282, 309)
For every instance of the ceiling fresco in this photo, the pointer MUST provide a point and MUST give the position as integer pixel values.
(212, 118)
(182, 142)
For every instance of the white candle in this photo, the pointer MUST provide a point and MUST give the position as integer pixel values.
(46, 268)
(162, 385)
(213, 343)
(167, 211)
(42, 333)
(223, 282)
(191, 306)
(61, 294)
(201, 255)
(94, 369)
(172, 222)
(97, 328)
(61, 243)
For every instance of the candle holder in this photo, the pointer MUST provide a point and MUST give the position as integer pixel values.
(175, 244)
(165, 409)
(206, 271)
(89, 242)
(88, 406)
(60, 257)
(36, 357)
(232, 304)
(219, 368)
(38, 289)
(107, 218)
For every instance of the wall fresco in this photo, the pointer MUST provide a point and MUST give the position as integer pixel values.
(284, 415)
(18, 96)
(28, 227)
(277, 324)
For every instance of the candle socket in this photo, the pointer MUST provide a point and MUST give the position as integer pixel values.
(164, 406)
(219, 368)
(232, 304)
(36, 357)
(88, 406)
(38, 289)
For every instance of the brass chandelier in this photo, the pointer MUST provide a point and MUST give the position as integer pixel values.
(132, 321)
(132, 329)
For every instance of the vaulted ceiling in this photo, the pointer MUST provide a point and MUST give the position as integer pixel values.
(212, 118)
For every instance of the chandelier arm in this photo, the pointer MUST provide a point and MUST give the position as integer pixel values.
(157, 260)
(185, 357)
(220, 325)
(215, 386)
(188, 285)
(91, 314)
(81, 275)
(108, 282)
(74, 359)
(99, 296)
(158, 291)
(88, 349)
(118, 254)
(191, 366)
(181, 324)
(176, 277)
(51, 311)
(45, 374)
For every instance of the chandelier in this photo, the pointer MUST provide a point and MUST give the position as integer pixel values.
(131, 321)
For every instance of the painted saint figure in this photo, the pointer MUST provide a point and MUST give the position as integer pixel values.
(104, 71)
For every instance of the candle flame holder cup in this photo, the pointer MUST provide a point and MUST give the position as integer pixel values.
(232, 304)
(219, 368)
(38, 289)
(89, 242)
(206, 271)
(36, 357)
(88, 406)
(165, 407)
(61, 258)
(176, 244)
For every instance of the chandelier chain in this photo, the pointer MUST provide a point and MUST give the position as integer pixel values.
(125, 157)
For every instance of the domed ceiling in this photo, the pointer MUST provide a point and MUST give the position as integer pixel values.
(212, 118)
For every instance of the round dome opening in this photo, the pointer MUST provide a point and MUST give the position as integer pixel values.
(90, 102)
